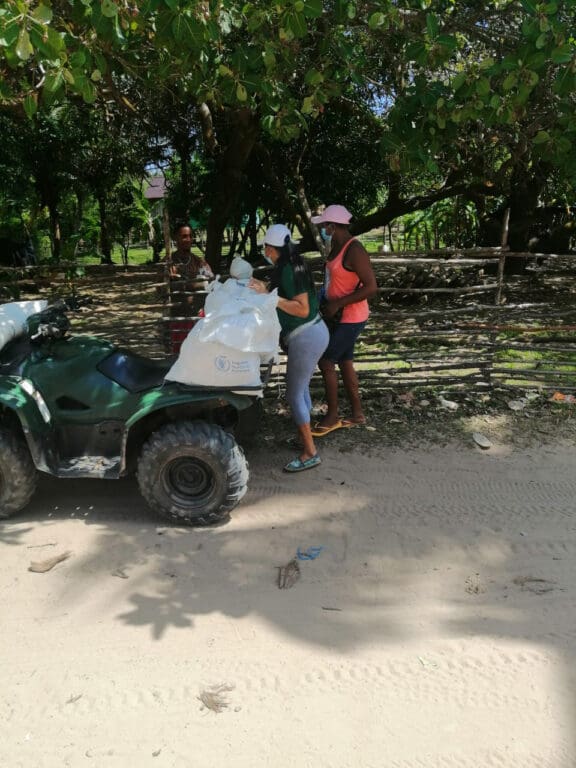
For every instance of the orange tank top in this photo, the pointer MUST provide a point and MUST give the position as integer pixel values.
(342, 282)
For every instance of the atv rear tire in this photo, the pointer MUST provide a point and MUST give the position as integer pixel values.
(192, 472)
(17, 474)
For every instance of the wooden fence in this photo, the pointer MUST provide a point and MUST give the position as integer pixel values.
(444, 319)
(453, 319)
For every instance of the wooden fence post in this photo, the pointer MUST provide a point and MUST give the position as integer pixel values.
(502, 261)
(500, 278)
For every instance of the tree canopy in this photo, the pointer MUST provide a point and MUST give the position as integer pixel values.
(389, 106)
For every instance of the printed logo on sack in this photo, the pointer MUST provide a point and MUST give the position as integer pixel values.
(222, 364)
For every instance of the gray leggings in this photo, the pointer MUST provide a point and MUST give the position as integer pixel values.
(304, 351)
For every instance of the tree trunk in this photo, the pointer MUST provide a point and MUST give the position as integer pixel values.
(228, 183)
(105, 244)
(55, 236)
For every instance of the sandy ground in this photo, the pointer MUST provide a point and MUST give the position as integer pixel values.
(436, 627)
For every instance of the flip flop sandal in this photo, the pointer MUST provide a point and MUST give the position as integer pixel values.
(352, 423)
(297, 465)
(319, 431)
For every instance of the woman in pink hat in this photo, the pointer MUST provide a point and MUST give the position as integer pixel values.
(349, 283)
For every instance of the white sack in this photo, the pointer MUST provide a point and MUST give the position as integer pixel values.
(13, 318)
(240, 269)
(214, 365)
(240, 318)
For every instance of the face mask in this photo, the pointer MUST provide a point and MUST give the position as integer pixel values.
(325, 236)
(269, 260)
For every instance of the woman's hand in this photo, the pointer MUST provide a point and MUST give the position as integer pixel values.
(259, 286)
(329, 308)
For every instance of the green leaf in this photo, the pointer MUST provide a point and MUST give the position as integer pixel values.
(296, 23)
(529, 5)
(417, 52)
(9, 34)
(308, 105)
(55, 39)
(77, 59)
(541, 41)
(225, 71)
(459, 81)
(510, 81)
(85, 88)
(241, 92)
(432, 25)
(313, 9)
(109, 8)
(30, 105)
(313, 77)
(376, 20)
(448, 41)
(96, 76)
(487, 63)
(43, 14)
(24, 47)
(187, 30)
(54, 81)
(483, 86)
(541, 137)
(562, 55)
(269, 60)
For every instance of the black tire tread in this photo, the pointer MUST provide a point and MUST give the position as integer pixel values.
(209, 438)
(19, 476)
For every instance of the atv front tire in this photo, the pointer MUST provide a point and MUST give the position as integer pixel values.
(17, 474)
(192, 472)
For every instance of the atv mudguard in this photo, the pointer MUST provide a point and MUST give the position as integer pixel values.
(175, 396)
(37, 431)
(172, 395)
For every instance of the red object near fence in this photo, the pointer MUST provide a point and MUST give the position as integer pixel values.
(177, 332)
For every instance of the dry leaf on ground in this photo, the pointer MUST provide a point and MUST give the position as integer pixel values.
(41, 566)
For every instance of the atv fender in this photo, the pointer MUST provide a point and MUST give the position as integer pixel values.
(198, 399)
(36, 428)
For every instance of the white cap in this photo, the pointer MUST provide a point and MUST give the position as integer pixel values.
(240, 269)
(334, 214)
(277, 235)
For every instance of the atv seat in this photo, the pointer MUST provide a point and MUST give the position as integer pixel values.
(134, 372)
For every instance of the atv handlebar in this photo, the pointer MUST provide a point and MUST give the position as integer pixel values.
(51, 323)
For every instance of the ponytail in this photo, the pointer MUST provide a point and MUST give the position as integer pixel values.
(290, 254)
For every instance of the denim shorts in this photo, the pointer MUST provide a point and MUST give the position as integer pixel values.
(342, 342)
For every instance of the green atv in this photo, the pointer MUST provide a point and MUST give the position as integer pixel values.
(77, 406)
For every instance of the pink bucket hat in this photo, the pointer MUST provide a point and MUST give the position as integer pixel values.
(334, 214)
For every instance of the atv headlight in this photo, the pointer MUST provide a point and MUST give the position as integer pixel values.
(30, 389)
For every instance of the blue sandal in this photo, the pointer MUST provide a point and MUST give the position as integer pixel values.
(297, 465)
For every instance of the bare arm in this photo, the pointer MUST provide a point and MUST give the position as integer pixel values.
(298, 306)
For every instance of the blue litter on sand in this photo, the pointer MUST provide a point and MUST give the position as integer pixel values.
(310, 554)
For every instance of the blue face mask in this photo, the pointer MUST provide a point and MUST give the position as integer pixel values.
(325, 236)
